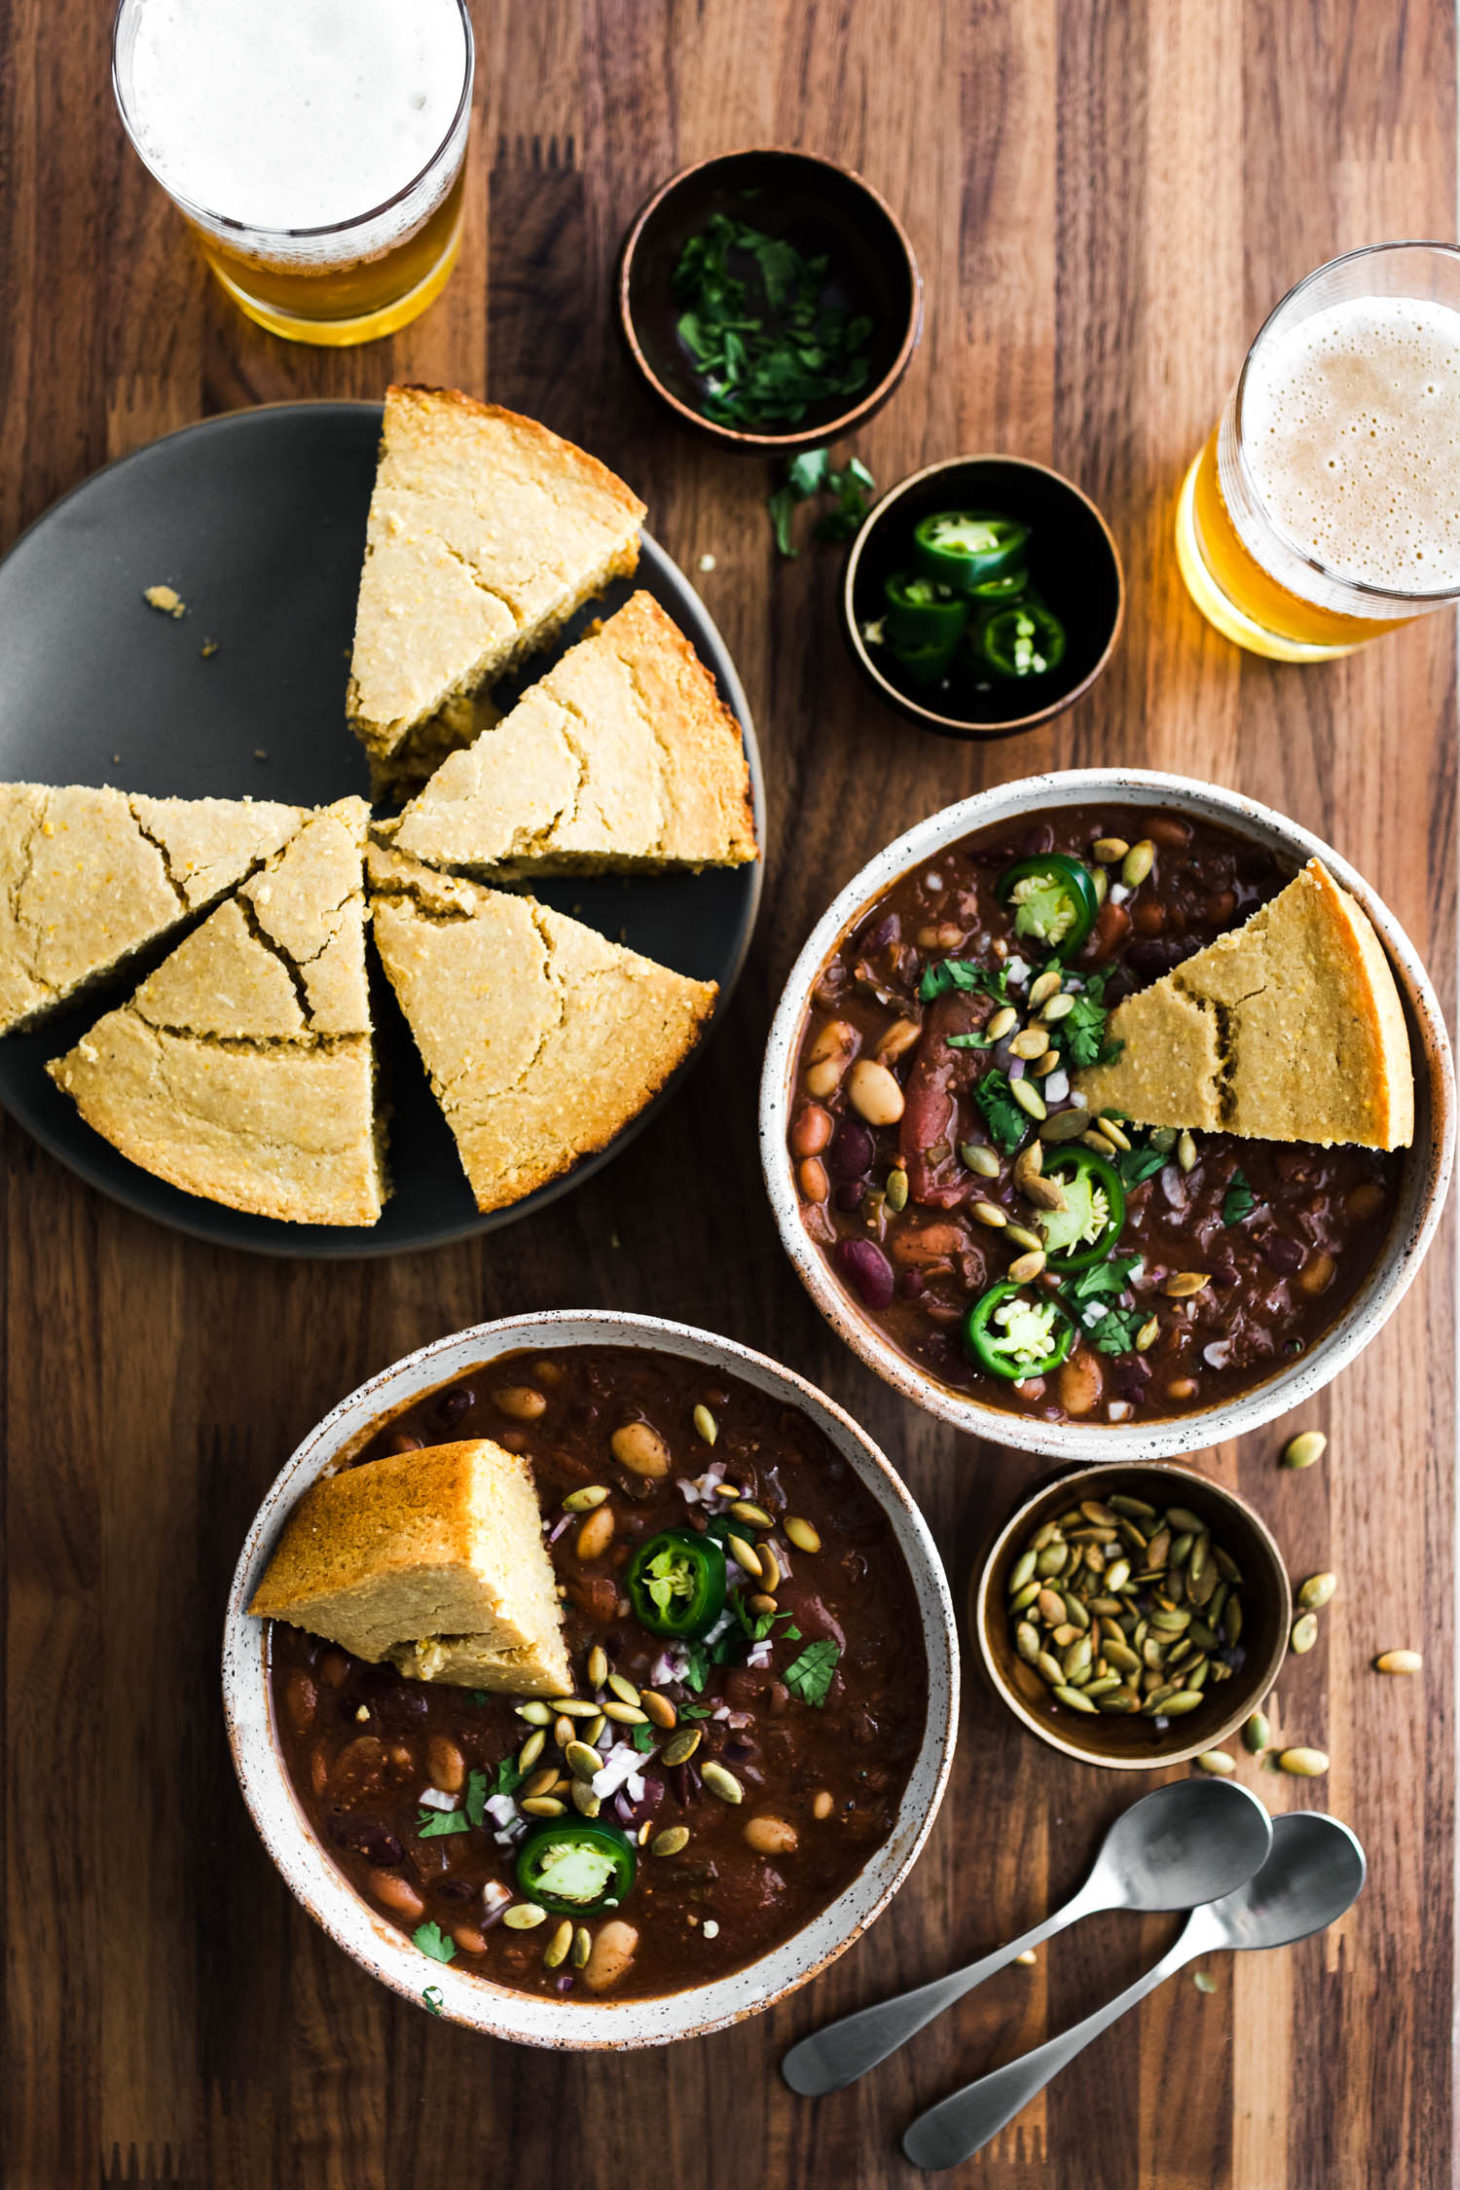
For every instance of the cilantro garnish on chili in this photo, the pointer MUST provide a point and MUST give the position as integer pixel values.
(756, 323)
(1006, 1121)
(1239, 1201)
(809, 1676)
(432, 1940)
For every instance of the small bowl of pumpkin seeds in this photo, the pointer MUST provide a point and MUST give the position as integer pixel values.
(1132, 1616)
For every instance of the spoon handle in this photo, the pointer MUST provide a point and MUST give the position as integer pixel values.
(962, 2123)
(835, 2056)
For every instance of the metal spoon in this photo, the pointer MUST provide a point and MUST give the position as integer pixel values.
(1315, 1872)
(1180, 1844)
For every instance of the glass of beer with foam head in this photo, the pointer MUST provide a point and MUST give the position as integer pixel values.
(316, 147)
(1325, 508)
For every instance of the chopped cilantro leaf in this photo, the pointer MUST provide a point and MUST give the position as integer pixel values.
(966, 974)
(781, 504)
(1006, 1121)
(1138, 1163)
(697, 1667)
(432, 1940)
(694, 1710)
(1115, 1333)
(809, 1676)
(853, 488)
(476, 1795)
(969, 1041)
(1239, 1201)
(1111, 1276)
(479, 1698)
(436, 1824)
(805, 473)
(643, 1738)
(508, 1779)
(756, 323)
(434, 1998)
(1081, 1033)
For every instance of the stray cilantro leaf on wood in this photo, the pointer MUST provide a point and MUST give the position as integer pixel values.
(432, 1940)
(809, 1676)
(1006, 1121)
(1239, 1201)
(854, 488)
(755, 323)
(811, 473)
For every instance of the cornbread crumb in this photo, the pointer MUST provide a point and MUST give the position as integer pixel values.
(165, 600)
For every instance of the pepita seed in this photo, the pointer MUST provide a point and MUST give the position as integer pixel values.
(1022, 1569)
(582, 1761)
(1301, 1451)
(670, 1840)
(680, 1747)
(1232, 1621)
(1076, 1657)
(1303, 1763)
(989, 1213)
(584, 1800)
(1119, 1700)
(706, 1427)
(1030, 1043)
(746, 1556)
(896, 1191)
(721, 1783)
(543, 1806)
(980, 1160)
(531, 1750)
(1177, 1706)
(1044, 986)
(625, 1714)
(1398, 1661)
(1304, 1635)
(1114, 1131)
(1049, 1668)
(584, 1501)
(1058, 1007)
(1026, 1596)
(1065, 1634)
(536, 1714)
(559, 1946)
(1030, 1101)
(1316, 1591)
(659, 1710)
(760, 1602)
(1062, 1125)
(1099, 1516)
(1124, 1661)
(1186, 1151)
(802, 1535)
(562, 1732)
(1117, 1574)
(1185, 1284)
(744, 1509)
(1103, 1686)
(574, 1707)
(593, 1729)
(1003, 1022)
(582, 1946)
(1026, 1641)
(538, 1783)
(597, 1666)
(1137, 864)
(1109, 850)
(1019, 1235)
(623, 1689)
(1217, 1762)
(1134, 1509)
(524, 1916)
(1072, 1699)
(1188, 1522)
(1025, 1267)
(1052, 1560)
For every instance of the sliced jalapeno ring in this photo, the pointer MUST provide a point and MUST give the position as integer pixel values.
(925, 665)
(1055, 900)
(1085, 1230)
(1026, 640)
(1016, 1333)
(921, 613)
(960, 548)
(576, 1866)
(676, 1583)
(1008, 586)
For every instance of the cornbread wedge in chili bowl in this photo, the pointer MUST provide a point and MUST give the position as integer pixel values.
(1033, 1260)
(741, 1766)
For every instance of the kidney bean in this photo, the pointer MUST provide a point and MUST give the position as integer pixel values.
(1112, 926)
(1366, 1200)
(911, 1283)
(451, 1406)
(867, 1270)
(926, 1244)
(1167, 829)
(596, 1595)
(365, 1836)
(1219, 910)
(1149, 917)
(301, 1700)
(849, 1197)
(397, 1893)
(851, 1151)
(403, 1441)
(358, 1770)
(1281, 1253)
(811, 1130)
(1037, 841)
(886, 930)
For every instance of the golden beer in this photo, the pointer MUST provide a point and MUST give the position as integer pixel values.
(316, 151)
(1324, 509)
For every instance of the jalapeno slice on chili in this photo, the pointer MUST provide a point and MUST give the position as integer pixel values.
(961, 547)
(676, 1583)
(1022, 641)
(1088, 1226)
(921, 613)
(576, 1866)
(1054, 898)
(1016, 1333)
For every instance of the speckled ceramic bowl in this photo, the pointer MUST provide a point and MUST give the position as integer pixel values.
(1426, 1174)
(497, 2010)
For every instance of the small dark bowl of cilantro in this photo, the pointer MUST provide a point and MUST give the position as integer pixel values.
(983, 596)
(770, 298)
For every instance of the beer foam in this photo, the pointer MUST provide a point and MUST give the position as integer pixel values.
(1351, 429)
(286, 114)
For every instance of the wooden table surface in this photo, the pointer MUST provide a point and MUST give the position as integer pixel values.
(1106, 196)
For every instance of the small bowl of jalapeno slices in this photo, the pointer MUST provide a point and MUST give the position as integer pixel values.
(1132, 1616)
(983, 595)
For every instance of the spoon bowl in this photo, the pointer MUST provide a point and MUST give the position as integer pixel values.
(1184, 1843)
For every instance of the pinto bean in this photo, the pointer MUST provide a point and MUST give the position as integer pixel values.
(771, 1836)
(873, 1093)
(446, 1764)
(596, 1534)
(811, 1130)
(614, 1946)
(812, 1179)
(638, 1447)
(829, 1055)
(1080, 1382)
(522, 1401)
(396, 1893)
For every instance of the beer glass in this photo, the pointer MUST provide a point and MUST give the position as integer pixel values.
(315, 147)
(1325, 508)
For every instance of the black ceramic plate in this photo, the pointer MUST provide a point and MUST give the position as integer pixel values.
(258, 520)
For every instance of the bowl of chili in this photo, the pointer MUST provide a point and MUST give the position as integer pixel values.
(769, 298)
(983, 595)
(676, 1581)
(1238, 1658)
(1017, 1338)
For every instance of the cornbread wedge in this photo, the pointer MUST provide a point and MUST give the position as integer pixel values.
(243, 1068)
(90, 877)
(541, 1038)
(624, 755)
(432, 1561)
(486, 532)
(1288, 1029)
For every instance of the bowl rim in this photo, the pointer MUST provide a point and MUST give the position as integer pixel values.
(733, 437)
(1072, 1481)
(1408, 1240)
(956, 726)
(499, 2010)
